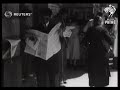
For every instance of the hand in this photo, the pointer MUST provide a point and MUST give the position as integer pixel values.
(68, 32)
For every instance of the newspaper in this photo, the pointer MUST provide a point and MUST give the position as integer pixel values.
(44, 45)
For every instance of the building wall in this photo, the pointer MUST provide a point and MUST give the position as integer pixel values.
(10, 26)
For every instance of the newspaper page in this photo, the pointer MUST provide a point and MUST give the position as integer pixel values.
(54, 44)
(46, 45)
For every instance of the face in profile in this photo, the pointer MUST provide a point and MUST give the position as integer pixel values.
(54, 8)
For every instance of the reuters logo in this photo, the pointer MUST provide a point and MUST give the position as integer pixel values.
(8, 14)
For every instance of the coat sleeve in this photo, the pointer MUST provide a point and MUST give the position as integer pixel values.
(86, 38)
(107, 37)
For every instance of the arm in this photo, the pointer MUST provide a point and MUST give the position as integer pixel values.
(107, 37)
(89, 24)
(63, 39)
(85, 38)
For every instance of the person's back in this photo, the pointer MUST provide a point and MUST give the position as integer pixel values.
(95, 40)
(98, 70)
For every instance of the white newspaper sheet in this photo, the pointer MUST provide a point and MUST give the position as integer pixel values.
(46, 45)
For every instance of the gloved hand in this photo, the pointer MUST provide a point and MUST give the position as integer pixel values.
(68, 32)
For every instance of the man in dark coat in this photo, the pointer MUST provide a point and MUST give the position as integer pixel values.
(51, 67)
(98, 66)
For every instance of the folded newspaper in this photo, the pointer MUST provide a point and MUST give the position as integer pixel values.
(14, 49)
(43, 45)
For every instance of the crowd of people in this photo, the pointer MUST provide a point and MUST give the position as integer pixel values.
(88, 46)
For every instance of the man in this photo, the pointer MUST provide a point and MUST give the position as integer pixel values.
(52, 65)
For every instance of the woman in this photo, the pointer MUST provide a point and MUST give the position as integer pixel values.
(98, 66)
(73, 50)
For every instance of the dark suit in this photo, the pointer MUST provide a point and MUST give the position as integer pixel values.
(47, 72)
